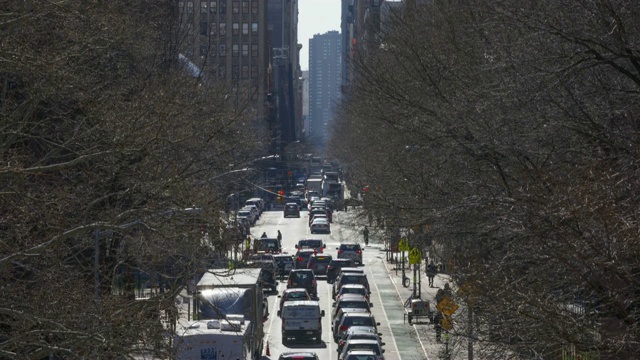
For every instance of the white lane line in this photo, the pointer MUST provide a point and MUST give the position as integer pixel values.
(424, 350)
(273, 314)
(329, 313)
(395, 345)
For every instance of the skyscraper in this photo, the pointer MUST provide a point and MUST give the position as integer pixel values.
(324, 82)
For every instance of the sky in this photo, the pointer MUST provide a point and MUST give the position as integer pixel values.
(315, 17)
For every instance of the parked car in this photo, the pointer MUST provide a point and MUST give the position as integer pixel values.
(267, 245)
(371, 345)
(357, 289)
(303, 278)
(350, 278)
(319, 263)
(351, 251)
(361, 355)
(335, 320)
(317, 216)
(246, 213)
(353, 319)
(293, 294)
(320, 226)
(358, 333)
(334, 267)
(298, 355)
(316, 211)
(291, 209)
(315, 244)
(302, 258)
(349, 301)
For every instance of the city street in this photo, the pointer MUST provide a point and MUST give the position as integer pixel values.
(402, 340)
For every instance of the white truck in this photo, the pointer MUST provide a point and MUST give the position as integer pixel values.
(227, 318)
(315, 185)
(301, 319)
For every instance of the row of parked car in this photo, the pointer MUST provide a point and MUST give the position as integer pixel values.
(250, 212)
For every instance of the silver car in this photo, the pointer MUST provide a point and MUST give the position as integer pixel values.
(351, 251)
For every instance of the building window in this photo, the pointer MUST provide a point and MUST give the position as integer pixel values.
(254, 28)
(235, 50)
(236, 7)
(222, 71)
(213, 7)
(190, 7)
(254, 71)
(223, 50)
(236, 28)
(204, 27)
(213, 29)
(245, 28)
(245, 71)
(235, 72)
(203, 51)
(223, 28)
(245, 7)
(212, 50)
(254, 7)
(245, 50)
(223, 6)
(254, 50)
(203, 8)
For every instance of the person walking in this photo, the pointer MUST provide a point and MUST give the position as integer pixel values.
(437, 325)
(264, 235)
(280, 240)
(432, 271)
(365, 232)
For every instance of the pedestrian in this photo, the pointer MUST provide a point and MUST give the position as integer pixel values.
(264, 235)
(365, 232)
(437, 325)
(432, 271)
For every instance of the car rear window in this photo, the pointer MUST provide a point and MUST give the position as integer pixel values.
(353, 304)
(358, 321)
(354, 247)
(310, 243)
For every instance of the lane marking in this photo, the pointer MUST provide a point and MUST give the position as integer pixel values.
(402, 301)
(395, 345)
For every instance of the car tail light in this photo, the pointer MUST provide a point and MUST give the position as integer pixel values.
(359, 251)
(343, 328)
(299, 258)
(339, 251)
(314, 283)
(342, 342)
(289, 282)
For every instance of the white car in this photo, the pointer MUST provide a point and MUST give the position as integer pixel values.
(320, 225)
(370, 345)
(361, 355)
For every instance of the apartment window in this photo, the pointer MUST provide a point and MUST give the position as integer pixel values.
(254, 28)
(213, 7)
(235, 50)
(212, 50)
(223, 6)
(223, 49)
(236, 7)
(222, 71)
(203, 8)
(254, 50)
(213, 29)
(245, 28)
(254, 7)
(235, 72)
(203, 50)
(236, 28)
(245, 50)
(254, 71)
(245, 71)
(223, 28)
(180, 7)
(190, 7)
(245, 7)
(204, 27)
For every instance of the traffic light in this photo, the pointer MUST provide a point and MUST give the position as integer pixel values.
(280, 196)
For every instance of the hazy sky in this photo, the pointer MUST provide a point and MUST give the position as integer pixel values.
(315, 17)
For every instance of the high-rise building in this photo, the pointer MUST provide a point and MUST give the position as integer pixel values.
(227, 40)
(325, 53)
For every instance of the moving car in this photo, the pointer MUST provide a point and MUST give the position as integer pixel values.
(320, 226)
(350, 278)
(303, 278)
(268, 245)
(361, 355)
(353, 319)
(291, 209)
(284, 263)
(315, 244)
(319, 263)
(301, 319)
(350, 301)
(293, 294)
(333, 269)
(299, 355)
(358, 333)
(302, 258)
(357, 289)
(351, 251)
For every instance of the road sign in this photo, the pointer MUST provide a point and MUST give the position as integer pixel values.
(447, 306)
(447, 323)
(415, 256)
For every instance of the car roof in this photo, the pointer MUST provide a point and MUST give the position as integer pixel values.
(361, 330)
(301, 270)
(302, 303)
(358, 314)
(307, 250)
(352, 297)
(290, 290)
(299, 353)
(359, 286)
(320, 220)
(364, 341)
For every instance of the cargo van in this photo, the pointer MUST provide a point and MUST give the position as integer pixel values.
(301, 320)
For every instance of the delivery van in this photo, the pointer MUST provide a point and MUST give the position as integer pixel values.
(301, 320)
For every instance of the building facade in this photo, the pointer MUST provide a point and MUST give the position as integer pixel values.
(325, 54)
